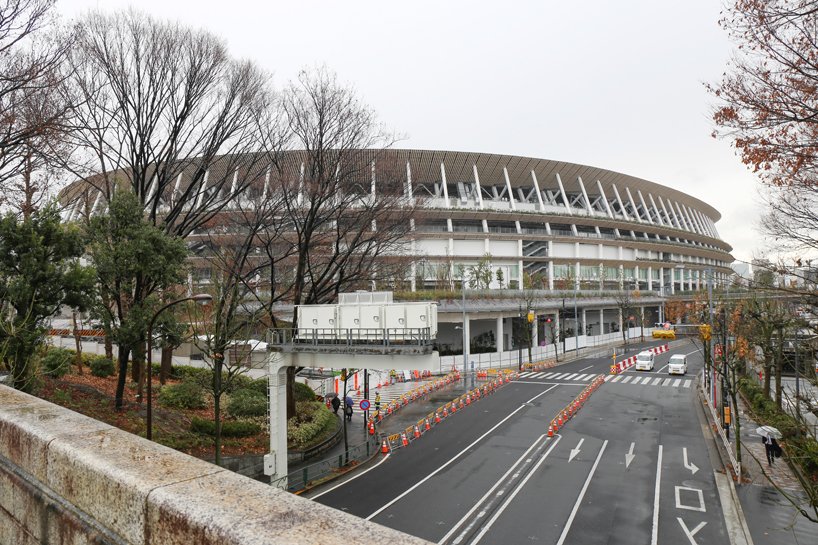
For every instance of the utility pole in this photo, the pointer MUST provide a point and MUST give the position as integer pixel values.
(465, 328)
(711, 386)
(576, 325)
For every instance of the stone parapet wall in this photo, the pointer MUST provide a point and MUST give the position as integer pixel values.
(68, 479)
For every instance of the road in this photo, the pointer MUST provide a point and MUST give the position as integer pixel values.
(631, 467)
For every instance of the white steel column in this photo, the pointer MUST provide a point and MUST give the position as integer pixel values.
(499, 335)
(564, 195)
(604, 199)
(602, 321)
(619, 200)
(644, 206)
(479, 190)
(550, 270)
(585, 194)
(537, 188)
(669, 217)
(445, 185)
(633, 204)
(511, 199)
(656, 209)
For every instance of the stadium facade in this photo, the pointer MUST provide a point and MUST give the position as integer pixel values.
(569, 227)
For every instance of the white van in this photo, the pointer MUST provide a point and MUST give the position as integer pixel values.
(644, 361)
(677, 365)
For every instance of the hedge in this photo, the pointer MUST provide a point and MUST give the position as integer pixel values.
(230, 428)
(185, 395)
(312, 421)
(247, 403)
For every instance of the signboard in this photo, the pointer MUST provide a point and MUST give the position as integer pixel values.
(364, 404)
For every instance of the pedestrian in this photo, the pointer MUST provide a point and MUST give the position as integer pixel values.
(770, 447)
(336, 404)
(377, 401)
(348, 408)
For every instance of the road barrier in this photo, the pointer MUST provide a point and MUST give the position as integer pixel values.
(625, 364)
(564, 415)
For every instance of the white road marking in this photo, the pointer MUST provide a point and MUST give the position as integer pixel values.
(575, 451)
(626, 379)
(662, 369)
(667, 382)
(657, 381)
(692, 467)
(581, 495)
(629, 457)
(609, 377)
(458, 455)
(691, 533)
(523, 375)
(679, 505)
(502, 508)
(352, 478)
(677, 382)
(551, 375)
(498, 483)
(589, 376)
(655, 532)
(561, 376)
(617, 378)
(571, 377)
(686, 384)
(537, 375)
(586, 368)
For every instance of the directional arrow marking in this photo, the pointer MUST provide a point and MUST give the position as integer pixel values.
(690, 533)
(629, 457)
(692, 467)
(575, 451)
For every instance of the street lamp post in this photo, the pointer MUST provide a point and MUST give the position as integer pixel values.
(576, 325)
(465, 333)
(519, 344)
(200, 298)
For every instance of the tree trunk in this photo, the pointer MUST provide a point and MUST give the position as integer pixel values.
(768, 368)
(109, 347)
(124, 352)
(779, 364)
(77, 342)
(217, 395)
(290, 397)
(167, 363)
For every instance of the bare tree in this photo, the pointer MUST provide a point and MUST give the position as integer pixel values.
(32, 113)
(348, 209)
(165, 113)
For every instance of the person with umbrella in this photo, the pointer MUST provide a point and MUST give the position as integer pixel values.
(768, 437)
(348, 407)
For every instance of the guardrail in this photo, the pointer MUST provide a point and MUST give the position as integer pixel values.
(378, 337)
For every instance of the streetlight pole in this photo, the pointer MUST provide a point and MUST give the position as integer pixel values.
(465, 333)
(710, 323)
(576, 325)
(520, 344)
(201, 298)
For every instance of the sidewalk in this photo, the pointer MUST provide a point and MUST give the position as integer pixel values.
(768, 514)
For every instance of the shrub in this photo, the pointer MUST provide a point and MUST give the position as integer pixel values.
(185, 395)
(201, 375)
(230, 428)
(247, 403)
(101, 366)
(57, 362)
(302, 392)
(260, 386)
(312, 421)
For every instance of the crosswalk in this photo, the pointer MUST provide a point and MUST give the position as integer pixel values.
(647, 380)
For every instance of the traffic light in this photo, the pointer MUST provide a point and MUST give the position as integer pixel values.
(704, 332)
(343, 374)
(548, 320)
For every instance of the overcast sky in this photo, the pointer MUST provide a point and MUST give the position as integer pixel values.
(616, 85)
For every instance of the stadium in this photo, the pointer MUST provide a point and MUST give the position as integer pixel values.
(568, 236)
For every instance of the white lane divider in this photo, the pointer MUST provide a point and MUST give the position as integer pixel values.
(500, 481)
(582, 495)
(655, 531)
(511, 496)
(456, 456)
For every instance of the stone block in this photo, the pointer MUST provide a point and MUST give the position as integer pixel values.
(28, 425)
(226, 508)
(109, 475)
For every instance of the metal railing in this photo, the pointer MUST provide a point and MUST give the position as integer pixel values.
(380, 337)
(315, 473)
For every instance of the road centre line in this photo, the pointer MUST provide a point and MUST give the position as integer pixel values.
(486, 527)
(570, 521)
(654, 536)
(459, 523)
(458, 455)
(352, 478)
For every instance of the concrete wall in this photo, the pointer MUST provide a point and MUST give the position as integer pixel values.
(68, 479)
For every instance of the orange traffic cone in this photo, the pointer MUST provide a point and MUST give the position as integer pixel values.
(371, 427)
(427, 425)
(445, 412)
(559, 421)
(461, 403)
(468, 399)
(417, 431)
(389, 409)
(454, 407)
(384, 447)
(404, 441)
(550, 431)
(437, 417)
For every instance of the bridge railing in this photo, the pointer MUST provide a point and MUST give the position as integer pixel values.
(378, 337)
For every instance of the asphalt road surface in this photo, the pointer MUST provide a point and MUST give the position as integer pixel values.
(631, 467)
